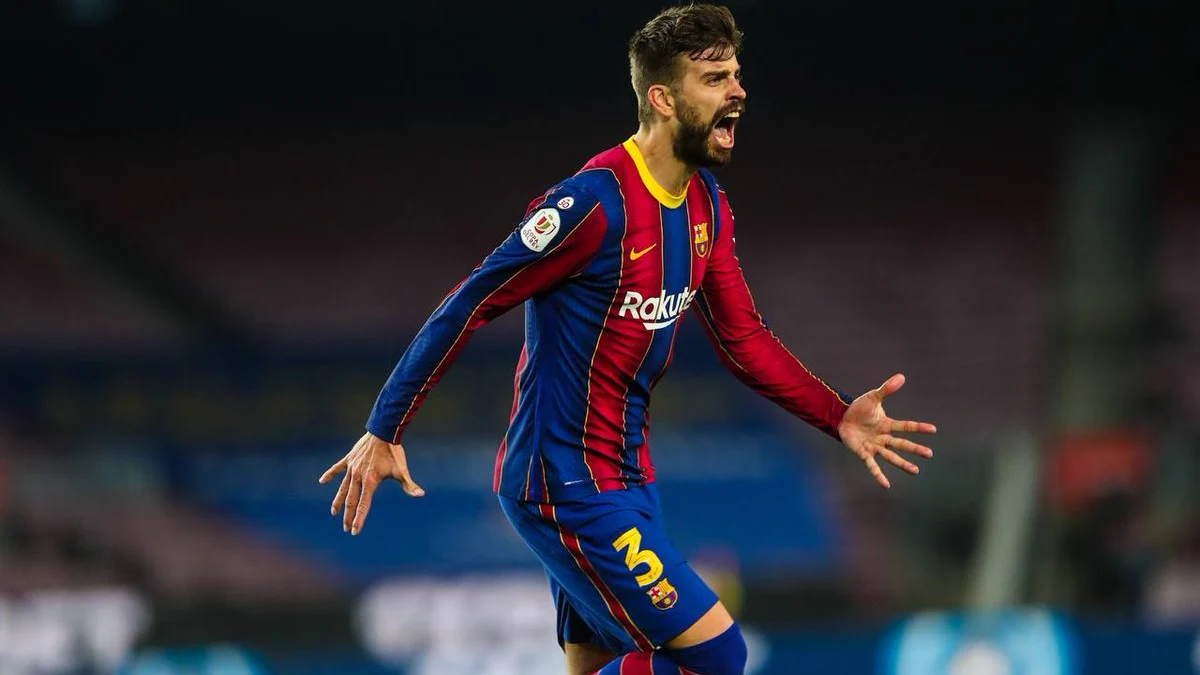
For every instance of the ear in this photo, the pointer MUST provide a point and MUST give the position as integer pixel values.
(660, 98)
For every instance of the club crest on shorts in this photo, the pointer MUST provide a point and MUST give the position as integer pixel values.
(700, 238)
(663, 594)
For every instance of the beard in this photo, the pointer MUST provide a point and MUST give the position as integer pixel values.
(692, 145)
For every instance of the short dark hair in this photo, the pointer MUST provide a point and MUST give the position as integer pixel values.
(699, 31)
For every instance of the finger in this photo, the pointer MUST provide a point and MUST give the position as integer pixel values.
(877, 472)
(891, 386)
(352, 500)
(899, 461)
(339, 466)
(340, 498)
(908, 426)
(332, 471)
(364, 504)
(409, 485)
(905, 445)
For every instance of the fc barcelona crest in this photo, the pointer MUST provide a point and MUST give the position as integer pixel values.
(700, 238)
(663, 594)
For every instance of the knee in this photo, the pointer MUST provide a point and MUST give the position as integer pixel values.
(723, 655)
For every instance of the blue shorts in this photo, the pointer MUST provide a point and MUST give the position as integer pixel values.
(617, 582)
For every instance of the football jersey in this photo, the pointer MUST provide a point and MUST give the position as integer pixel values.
(606, 263)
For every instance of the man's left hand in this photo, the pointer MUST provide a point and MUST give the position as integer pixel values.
(867, 430)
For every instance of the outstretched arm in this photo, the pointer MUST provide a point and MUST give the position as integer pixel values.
(556, 239)
(549, 245)
(749, 349)
(755, 355)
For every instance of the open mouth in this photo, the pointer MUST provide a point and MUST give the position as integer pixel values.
(723, 131)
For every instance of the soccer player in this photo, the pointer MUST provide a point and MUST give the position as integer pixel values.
(606, 263)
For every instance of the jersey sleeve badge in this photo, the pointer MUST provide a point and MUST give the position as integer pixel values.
(540, 228)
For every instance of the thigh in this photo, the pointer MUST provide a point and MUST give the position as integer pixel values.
(583, 616)
(616, 570)
(574, 627)
(648, 587)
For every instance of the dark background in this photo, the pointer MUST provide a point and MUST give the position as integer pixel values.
(221, 223)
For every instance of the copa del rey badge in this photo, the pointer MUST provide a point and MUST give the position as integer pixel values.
(700, 238)
(663, 594)
(539, 229)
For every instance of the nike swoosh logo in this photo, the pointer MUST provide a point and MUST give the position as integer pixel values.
(635, 254)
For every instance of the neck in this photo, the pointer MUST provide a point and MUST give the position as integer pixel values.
(658, 150)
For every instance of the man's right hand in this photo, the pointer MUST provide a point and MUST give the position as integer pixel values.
(371, 461)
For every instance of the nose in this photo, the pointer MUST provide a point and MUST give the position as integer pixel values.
(738, 92)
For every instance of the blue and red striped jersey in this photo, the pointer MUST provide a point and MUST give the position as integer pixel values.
(606, 263)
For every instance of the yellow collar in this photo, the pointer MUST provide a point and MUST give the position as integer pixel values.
(660, 193)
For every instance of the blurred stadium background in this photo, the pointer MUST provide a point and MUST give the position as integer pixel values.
(221, 223)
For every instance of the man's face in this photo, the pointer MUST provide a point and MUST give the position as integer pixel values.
(709, 101)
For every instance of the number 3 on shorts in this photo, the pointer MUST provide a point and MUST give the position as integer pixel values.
(631, 541)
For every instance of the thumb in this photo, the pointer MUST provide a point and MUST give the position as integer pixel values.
(891, 386)
(410, 486)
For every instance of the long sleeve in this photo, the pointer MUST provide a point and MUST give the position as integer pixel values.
(749, 349)
(557, 238)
